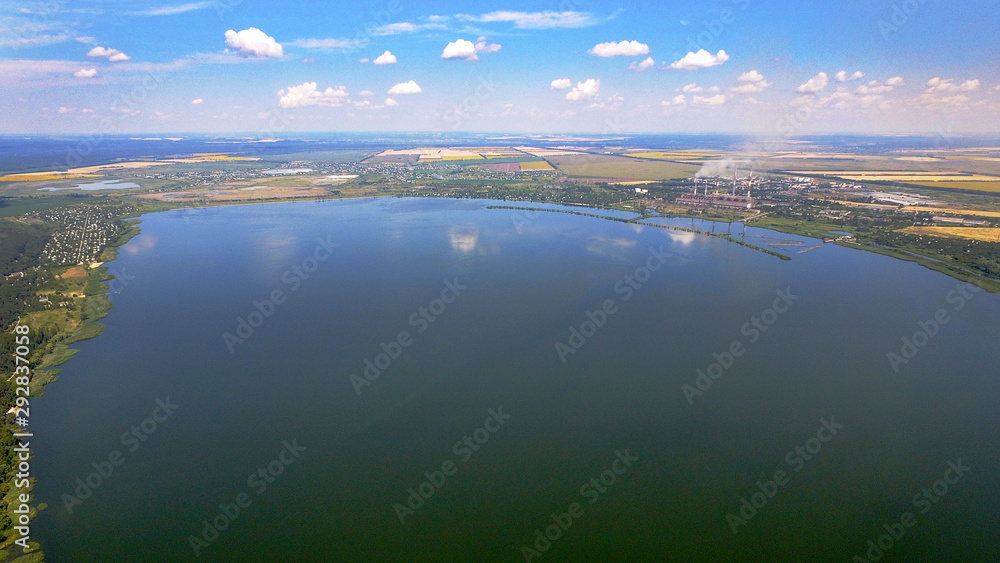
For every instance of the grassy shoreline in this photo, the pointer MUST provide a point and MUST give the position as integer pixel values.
(56, 352)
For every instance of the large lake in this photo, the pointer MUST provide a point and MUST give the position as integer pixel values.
(478, 411)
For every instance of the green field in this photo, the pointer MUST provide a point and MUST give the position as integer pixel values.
(17, 205)
(604, 166)
(986, 187)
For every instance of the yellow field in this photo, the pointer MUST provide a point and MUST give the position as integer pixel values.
(900, 176)
(823, 156)
(539, 165)
(676, 155)
(43, 177)
(971, 212)
(979, 186)
(453, 153)
(971, 233)
(544, 153)
(982, 158)
(208, 157)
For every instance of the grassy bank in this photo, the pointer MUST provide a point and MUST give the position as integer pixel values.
(73, 326)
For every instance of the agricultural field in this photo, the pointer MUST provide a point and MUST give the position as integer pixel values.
(970, 233)
(44, 176)
(545, 153)
(437, 154)
(954, 211)
(536, 165)
(901, 176)
(976, 186)
(215, 157)
(673, 155)
(602, 166)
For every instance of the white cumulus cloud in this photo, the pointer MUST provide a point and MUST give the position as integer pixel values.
(842, 76)
(948, 85)
(817, 83)
(482, 46)
(86, 73)
(391, 103)
(306, 94)
(692, 88)
(465, 50)
(584, 90)
(753, 82)
(716, 100)
(113, 55)
(895, 81)
(254, 42)
(561, 84)
(699, 60)
(385, 58)
(874, 87)
(622, 49)
(640, 66)
(402, 88)
(460, 49)
(197, 102)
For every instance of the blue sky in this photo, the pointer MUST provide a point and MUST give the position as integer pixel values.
(742, 66)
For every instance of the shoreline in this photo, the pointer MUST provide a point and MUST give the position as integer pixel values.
(97, 305)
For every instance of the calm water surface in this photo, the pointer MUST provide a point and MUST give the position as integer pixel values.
(487, 300)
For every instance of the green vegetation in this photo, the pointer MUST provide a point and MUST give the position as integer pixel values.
(53, 327)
